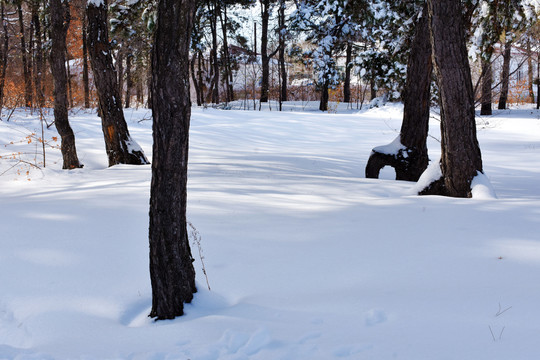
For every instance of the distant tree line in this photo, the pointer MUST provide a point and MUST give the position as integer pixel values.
(340, 50)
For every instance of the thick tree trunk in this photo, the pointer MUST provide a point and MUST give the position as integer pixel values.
(86, 83)
(59, 26)
(38, 55)
(487, 80)
(348, 67)
(171, 264)
(4, 54)
(120, 147)
(505, 77)
(265, 60)
(24, 58)
(461, 159)
(410, 159)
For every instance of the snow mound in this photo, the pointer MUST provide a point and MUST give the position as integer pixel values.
(391, 149)
(430, 175)
(481, 188)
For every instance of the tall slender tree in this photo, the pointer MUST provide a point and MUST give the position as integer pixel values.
(213, 7)
(120, 147)
(3, 52)
(38, 53)
(86, 80)
(505, 76)
(282, 29)
(60, 18)
(530, 71)
(227, 71)
(24, 56)
(265, 57)
(491, 21)
(171, 264)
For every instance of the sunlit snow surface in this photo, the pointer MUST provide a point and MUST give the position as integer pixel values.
(306, 258)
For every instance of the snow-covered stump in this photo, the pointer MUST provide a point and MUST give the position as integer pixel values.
(408, 163)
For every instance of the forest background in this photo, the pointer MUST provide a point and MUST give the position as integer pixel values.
(256, 51)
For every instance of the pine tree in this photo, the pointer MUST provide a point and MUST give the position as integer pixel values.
(171, 264)
(328, 25)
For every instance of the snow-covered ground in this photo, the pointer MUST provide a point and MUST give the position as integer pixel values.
(306, 258)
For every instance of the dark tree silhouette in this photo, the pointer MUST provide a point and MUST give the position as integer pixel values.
(59, 27)
(171, 264)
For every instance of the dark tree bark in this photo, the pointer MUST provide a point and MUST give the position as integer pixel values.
(4, 53)
(530, 71)
(487, 80)
(372, 86)
(226, 57)
(214, 68)
(129, 80)
(171, 264)
(323, 104)
(24, 58)
(140, 96)
(120, 147)
(200, 65)
(411, 159)
(461, 159)
(265, 60)
(86, 82)
(120, 73)
(281, 56)
(195, 80)
(38, 54)
(505, 77)
(347, 82)
(70, 85)
(149, 82)
(60, 18)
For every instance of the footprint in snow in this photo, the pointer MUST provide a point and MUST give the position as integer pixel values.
(374, 317)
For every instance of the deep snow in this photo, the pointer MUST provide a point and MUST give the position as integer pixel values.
(306, 258)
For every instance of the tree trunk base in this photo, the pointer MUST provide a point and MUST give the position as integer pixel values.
(435, 188)
(486, 109)
(438, 187)
(408, 163)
